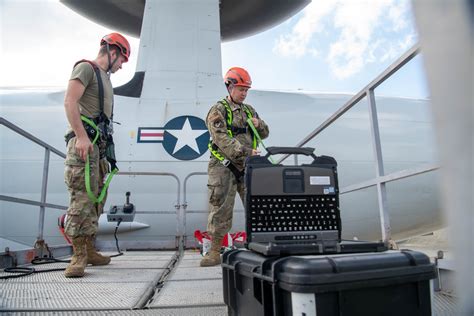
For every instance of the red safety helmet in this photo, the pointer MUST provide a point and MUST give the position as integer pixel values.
(238, 77)
(120, 41)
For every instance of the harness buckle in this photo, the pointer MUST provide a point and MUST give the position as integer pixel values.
(225, 162)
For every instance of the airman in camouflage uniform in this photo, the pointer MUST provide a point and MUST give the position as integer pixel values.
(83, 99)
(231, 144)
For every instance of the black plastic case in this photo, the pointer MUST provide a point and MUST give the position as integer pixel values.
(385, 283)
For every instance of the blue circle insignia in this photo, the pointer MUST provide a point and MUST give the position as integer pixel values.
(186, 137)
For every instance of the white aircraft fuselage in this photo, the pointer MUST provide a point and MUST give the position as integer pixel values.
(415, 207)
(162, 130)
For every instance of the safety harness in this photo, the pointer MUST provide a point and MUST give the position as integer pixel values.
(231, 131)
(99, 130)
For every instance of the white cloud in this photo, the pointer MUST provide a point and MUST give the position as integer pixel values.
(389, 53)
(359, 31)
(357, 21)
(48, 51)
(346, 57)
(314, 52)
(407, 42)
(397, 15)
(373, 51)
(295, 44)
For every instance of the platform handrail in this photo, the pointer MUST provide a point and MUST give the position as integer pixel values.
(178, 198)
(44, 183)
(381, 178)
(29, 136)
(43, 204)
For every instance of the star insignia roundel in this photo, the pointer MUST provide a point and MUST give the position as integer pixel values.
(184, 137)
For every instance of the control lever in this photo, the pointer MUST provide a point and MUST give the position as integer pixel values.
(122, 213)
(128, 207)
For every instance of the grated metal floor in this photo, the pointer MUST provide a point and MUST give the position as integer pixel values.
(126, 283)
(196, 286)
(444, 305)
(132, 285)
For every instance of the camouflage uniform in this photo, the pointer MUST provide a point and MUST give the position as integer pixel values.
(83, 214)
(222, 184)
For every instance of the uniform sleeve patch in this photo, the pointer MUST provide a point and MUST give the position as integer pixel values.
(218, 124)
(216, 120)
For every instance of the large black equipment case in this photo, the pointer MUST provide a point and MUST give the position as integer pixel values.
(384, 283)
(292, 209)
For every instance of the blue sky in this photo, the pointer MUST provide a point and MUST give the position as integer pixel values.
(330, 46)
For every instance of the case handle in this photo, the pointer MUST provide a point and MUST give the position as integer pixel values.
(307, 151)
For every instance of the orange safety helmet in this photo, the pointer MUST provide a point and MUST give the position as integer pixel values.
(118, 40)
(238, 77)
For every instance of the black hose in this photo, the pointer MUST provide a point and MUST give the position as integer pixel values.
(116, 240)
(24, 271)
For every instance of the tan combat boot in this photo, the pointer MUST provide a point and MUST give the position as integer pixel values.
(93, 257)
(213, 257)
(78, 263)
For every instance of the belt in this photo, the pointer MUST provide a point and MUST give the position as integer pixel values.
(237, 173)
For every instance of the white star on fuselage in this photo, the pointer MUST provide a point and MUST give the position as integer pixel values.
(186, 136)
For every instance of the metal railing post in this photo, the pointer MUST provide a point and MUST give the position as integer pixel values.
(179, 233)
(379, 169)
(185, 202)
(44, 189)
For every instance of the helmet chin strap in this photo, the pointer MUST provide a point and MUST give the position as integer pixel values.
(111, 64)
(229, 88)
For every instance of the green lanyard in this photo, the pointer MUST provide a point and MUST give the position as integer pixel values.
(91, 195)
(260, 141)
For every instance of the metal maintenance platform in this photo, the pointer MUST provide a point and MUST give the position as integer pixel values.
(137, 283)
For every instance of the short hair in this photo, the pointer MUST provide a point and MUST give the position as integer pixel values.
(103, 49)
